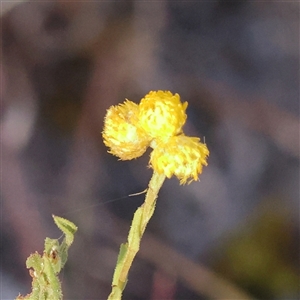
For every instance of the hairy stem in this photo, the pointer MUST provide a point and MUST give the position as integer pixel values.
(128, 251)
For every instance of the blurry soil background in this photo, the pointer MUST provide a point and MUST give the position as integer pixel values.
(236, 232)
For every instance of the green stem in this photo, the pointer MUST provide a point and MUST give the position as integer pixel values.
(128, 251)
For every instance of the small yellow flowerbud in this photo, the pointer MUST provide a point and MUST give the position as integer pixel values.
(162, 114)
(122, 134)
(181, 156)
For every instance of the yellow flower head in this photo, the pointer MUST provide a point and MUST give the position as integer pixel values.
(162, 114)
(181, 156)
(122, 134)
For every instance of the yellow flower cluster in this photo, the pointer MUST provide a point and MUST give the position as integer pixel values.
(129, 129)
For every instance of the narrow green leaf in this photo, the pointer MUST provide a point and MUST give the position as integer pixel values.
(63, 252)
(134, 236)
(120, 262)
(67, 227)
(53, 288)
(44, 269)
(35, 261)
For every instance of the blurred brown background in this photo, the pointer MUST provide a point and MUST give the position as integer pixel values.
(234, 234)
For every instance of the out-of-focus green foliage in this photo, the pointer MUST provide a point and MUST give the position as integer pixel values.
(260, 259)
